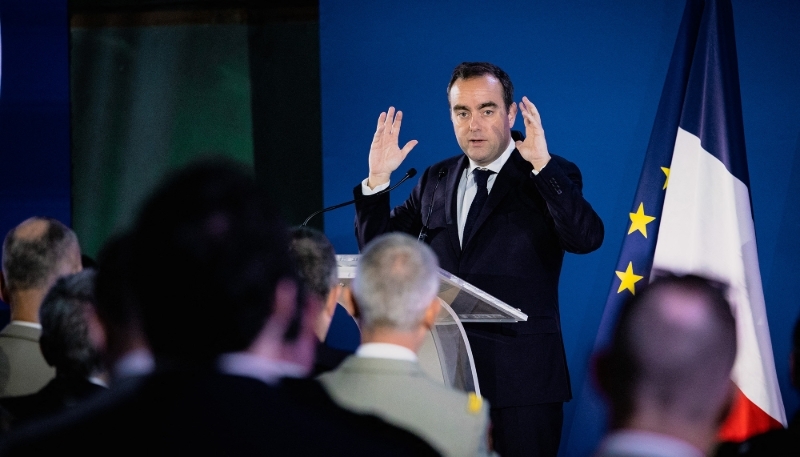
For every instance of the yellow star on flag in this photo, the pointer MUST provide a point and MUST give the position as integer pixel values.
(628, 279)
(639, 221)
(666, 181)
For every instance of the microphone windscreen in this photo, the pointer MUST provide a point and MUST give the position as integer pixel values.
(411, 173)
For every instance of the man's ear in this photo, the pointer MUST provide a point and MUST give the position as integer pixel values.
(270, 338)
(332, 299)
(429, 319)
(348, 301)
(96, 331)
(3, 288)
(512, 114)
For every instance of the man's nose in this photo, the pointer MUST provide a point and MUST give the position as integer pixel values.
(475, 123)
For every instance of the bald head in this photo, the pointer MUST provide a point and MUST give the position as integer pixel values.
(672, 352)
(37, 252)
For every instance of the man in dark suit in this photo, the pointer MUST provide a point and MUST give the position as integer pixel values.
(221, 309)
(500, 216)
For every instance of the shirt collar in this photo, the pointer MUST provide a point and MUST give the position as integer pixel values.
(640, 442)
(498, 162)
(386, 351)
(252, 366)
(35, 325)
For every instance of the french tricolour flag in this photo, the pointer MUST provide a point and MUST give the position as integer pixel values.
(692, 212)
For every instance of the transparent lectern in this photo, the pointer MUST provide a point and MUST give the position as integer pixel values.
(446, 355)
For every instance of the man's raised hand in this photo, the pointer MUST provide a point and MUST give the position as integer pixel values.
(385, 155)
(534, 148)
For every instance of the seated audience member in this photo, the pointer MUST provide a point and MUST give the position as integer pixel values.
(35, 253)
(116, 321)
(66, 347)
(667, 370)
(315, 260)
(395, 289)
(210, 272)
(784, 442)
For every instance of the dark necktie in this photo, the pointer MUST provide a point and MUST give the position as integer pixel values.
(481, 178)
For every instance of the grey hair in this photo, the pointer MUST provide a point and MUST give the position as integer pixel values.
(395, 281)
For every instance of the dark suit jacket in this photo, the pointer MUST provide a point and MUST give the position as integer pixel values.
(515, 254)
(59, 394)
(207, 413)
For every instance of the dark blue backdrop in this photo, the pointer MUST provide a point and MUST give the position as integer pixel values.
(595, 71)
(34, 112)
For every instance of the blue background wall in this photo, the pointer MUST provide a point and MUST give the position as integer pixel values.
(595, 70)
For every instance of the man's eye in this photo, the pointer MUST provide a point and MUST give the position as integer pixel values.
(462, 114)
(488, 112)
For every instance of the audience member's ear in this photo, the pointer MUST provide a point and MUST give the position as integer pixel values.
(96, 330)
(348, 302)
(3, 289)
(332, 299)
(270, 338)
(429, 320)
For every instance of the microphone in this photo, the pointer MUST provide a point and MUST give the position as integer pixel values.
(423, 233)
(409, 174)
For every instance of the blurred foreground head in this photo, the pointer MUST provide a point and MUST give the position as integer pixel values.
(207, 254)
(669, 363)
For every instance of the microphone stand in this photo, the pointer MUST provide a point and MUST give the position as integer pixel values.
(409, 174)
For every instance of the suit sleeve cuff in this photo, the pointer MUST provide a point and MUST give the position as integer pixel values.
(365, 190)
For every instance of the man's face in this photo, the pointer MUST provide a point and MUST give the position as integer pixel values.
(480, 119)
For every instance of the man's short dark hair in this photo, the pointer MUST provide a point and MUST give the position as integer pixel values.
(207, 253)
(65, 340)
(467, 70)
(32, 263)
(315, 260)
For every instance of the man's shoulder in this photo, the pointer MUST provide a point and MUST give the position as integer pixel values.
(13, 331)
(401, 379)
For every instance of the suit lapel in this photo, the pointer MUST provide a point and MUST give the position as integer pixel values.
(511, 173)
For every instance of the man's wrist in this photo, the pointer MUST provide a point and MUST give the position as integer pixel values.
(378, 179)
(367, 190)
(539, 164)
